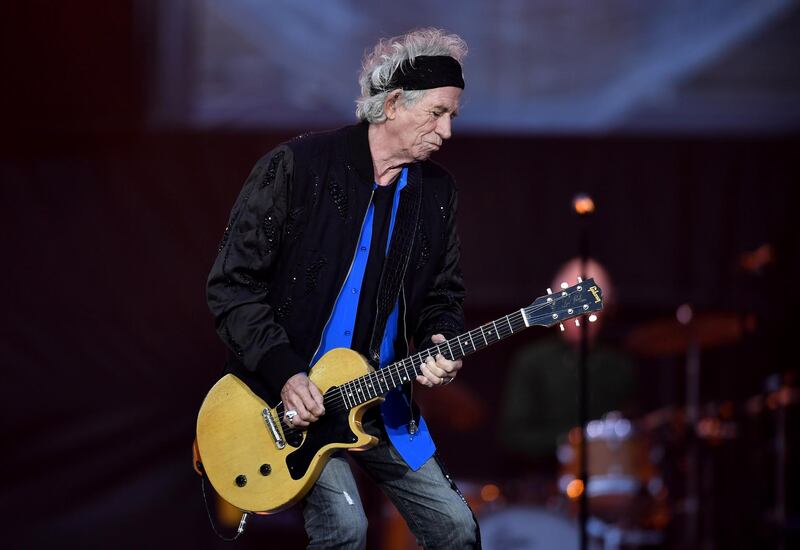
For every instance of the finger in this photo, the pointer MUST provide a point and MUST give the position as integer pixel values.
(424, 381)
(295, 401)
(296, 421)
(435, 369)
(450, 367)
(438, 338)
(433, 378)
(316, 395)
(309, 406)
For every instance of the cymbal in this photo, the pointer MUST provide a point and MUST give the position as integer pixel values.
(705, 330)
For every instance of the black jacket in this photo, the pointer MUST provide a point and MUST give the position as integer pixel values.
(289, 243)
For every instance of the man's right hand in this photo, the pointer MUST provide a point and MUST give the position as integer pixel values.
(301, 395)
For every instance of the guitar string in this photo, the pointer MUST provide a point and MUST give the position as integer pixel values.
(337, 403)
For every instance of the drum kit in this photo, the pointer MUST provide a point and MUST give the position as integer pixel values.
(643, 475)
(625, 489)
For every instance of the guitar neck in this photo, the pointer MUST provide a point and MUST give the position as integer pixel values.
(379, 382)
(580, 299)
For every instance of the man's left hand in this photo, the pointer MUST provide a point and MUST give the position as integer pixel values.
(438, 371)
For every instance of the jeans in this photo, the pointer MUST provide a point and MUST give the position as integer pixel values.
(435, 512)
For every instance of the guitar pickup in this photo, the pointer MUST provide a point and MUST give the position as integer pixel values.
(273, 429)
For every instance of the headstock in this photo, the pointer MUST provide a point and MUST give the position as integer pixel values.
(582, 298)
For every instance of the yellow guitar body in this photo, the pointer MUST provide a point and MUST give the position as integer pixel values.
(240, 447)
(257, 464)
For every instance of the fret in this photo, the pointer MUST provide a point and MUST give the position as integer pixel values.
(344, 399)
(383, 373)
(471, 340)
(361, 388)
(496, 333)
(452, 357)
(366, 381)
(462, 347)
(508, 319)
(485, 341)
(405, 368)
(371, 385)
(363, 391)
(391, 384)
(365, 385)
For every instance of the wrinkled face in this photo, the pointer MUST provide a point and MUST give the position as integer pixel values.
(421, 129)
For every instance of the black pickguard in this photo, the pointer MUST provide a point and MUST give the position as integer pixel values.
(330, 428)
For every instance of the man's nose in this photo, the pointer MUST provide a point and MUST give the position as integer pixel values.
(444, 127)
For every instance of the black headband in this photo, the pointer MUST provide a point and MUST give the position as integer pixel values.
(427, 71)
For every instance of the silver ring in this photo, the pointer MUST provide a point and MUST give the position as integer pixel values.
(289, 415)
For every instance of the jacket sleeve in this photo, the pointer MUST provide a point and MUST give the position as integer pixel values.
(242, 273)
(442, 311)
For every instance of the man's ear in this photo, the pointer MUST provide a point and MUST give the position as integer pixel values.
(390, 105)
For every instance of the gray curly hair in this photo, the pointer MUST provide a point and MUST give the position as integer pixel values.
(379, 66)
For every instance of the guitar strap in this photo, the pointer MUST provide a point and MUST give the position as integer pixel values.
(394, 267)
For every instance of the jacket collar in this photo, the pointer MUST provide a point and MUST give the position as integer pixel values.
(359, 153)
(361, 157)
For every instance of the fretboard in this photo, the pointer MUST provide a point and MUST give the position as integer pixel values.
(379, 382)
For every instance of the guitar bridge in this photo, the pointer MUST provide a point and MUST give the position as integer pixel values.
(273, 429)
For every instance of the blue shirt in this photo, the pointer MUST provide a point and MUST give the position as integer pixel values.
(338, 333)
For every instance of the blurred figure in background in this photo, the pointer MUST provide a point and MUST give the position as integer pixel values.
(540, 403)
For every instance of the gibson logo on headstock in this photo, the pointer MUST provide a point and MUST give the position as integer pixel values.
(596, 293)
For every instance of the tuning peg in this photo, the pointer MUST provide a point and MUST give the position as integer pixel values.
(549, 291)
(577, 322)
(561, 325)
(592, 318)
(580, 279)
(564, 285)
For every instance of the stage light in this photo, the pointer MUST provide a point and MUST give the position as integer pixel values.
(575, 488)
(490, 492)
(583, 204)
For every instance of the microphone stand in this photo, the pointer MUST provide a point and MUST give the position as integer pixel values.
(584, 206)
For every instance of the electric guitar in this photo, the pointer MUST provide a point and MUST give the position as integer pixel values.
(258, 464)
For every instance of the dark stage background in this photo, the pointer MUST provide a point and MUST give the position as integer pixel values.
(110, 225)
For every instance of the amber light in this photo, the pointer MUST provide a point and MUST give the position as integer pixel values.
(583, 204)
(490, 492)
(575, 488)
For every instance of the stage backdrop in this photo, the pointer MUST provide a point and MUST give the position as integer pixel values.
(110, 223)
